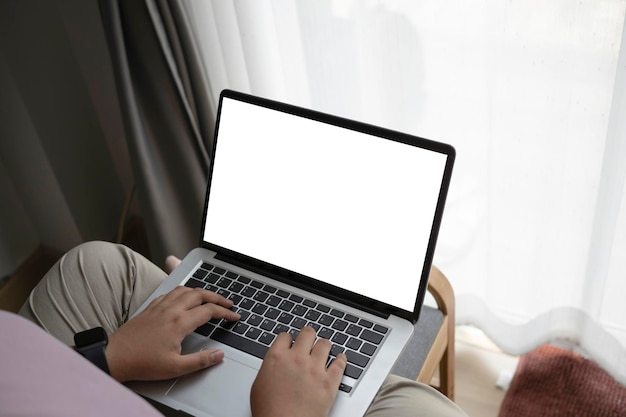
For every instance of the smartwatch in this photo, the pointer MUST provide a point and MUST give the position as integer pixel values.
(91, 344)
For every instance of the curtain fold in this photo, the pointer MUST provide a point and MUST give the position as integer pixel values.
(168, 117)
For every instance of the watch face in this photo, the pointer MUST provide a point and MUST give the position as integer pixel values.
(89, 337)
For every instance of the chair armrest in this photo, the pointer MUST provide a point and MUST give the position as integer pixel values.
(441, 353)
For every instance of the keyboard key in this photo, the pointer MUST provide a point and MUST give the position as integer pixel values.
(254, 319)
(200, 274)
(368, 349)
(240, 328)
(231, 339)
(224, 282)
(296, 298)
(340, 325)
(316, 326)
(345, 388)
(236, 286)
(272, 313)
(339, 338)
(282, 293)
(351, 318)
(298, 323)
(294, 333)
(312, 315)
(366, 323)
(336, 350)
(354, 330)
(299, 310)
(223, 292)
(370, 336)
(286, 305)
(380, 329)
(253, 333)
(354, 343)
(227, 324)
(244, 280)
(268, 325)
(285, 318)
(322, 308)
(261, 296)
(248, 292)
(259, 308)
(212, 278)
(219, 270)
(352, 371)
(269, 289)
(274, 301)
(247, 304)
(309, 303)
(336, 313)
(326, 320)
(256, 284)
(325, 333)
(357, 358)
(267, 338)
(206, 266)
(194, 283)
(281, 328)
(236, 298)
(205, 329)
(231, 275)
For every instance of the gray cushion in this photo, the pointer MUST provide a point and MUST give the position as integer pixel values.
(412, 359)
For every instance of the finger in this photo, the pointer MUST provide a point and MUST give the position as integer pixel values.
(201, 314)
(305, 340)
(338, 367)
(282, 341)
(199, 360)
(219, 312)
(165, 301)
(192, 297)
(321, 350)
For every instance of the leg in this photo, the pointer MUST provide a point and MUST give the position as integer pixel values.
(94, 284)
(401, 397)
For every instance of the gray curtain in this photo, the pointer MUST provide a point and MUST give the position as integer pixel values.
(168, 116)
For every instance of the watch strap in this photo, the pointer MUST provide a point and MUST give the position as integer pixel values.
(92, 344)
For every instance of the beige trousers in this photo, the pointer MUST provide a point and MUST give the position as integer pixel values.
(103, 284)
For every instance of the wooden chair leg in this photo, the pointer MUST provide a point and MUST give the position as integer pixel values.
(442, 292)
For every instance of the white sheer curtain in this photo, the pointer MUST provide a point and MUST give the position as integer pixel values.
(533, 96)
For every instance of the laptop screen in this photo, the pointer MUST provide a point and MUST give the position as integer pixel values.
(347, 208)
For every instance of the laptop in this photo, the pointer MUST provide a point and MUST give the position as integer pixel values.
(309, 219)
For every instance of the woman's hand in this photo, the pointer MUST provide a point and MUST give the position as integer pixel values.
(294, 380)
(148, 347)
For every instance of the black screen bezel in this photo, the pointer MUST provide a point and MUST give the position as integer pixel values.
(309, 283)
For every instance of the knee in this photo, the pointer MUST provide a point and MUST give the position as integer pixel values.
(98, 251)
(91, 260)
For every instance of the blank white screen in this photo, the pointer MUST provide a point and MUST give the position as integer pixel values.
(340, 206)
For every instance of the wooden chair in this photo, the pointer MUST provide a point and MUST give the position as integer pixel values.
(432, 344)
(441, 353)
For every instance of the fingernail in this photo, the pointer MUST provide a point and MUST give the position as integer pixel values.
(217, 356)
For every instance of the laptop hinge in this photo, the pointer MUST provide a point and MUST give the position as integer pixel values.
(314, 287)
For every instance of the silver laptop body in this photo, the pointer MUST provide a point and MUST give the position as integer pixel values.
(317, 220)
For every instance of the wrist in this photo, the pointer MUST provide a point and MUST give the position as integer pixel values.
(91, 344)
(115, 360)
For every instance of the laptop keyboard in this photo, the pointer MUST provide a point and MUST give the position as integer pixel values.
(266, 311)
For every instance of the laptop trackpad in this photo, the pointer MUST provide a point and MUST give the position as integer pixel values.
(222, 390)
